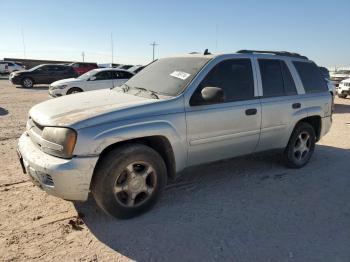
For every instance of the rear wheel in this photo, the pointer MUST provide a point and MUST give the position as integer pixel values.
(74, 90)
(27, 82)
(129, 180)
(301, 146)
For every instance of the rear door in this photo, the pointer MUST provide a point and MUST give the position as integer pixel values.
(279, 102)
(229, 128)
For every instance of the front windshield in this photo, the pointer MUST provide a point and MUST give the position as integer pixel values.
(168, 76)
(87, 75)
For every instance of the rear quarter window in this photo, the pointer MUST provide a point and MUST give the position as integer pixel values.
(311, 77)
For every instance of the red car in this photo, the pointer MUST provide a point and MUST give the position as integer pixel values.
(81, 67)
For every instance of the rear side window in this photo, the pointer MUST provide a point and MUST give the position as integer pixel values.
(311, 77)
(276, 78)
(234, 76)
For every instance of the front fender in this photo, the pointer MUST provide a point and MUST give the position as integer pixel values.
(174, 131)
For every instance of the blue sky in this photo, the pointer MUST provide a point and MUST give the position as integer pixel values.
(62, 29)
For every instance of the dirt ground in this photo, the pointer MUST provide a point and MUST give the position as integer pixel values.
(244, 209)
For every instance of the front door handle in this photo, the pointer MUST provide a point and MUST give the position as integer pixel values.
(251, 111)
(296, 105)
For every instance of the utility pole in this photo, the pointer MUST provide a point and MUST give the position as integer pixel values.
(83, 55)
(153, 46)
(112, 47)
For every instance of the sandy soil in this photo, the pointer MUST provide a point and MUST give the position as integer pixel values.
(244, 209)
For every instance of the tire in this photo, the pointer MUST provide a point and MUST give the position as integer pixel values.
(342, 95)
(27, 82)
(74, 90)
(123, 177)
(301, 146)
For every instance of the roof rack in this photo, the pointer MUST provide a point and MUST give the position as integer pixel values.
(281, 53)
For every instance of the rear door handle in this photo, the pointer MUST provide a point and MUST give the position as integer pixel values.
(251, 111)
(296, 105)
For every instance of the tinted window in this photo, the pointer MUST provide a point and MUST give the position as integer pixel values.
(235, 77)
(271, 77)
(104, 75)
(289, 85)
(311, 77)
(124, 75)
(276, 78)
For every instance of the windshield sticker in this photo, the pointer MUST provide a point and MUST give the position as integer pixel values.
(179, 74)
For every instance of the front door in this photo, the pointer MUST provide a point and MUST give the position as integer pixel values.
(229, 128)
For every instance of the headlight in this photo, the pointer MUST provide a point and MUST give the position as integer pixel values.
(59, 141)
(59, 87)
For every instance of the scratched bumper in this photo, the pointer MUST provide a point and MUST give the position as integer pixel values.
(65, 178)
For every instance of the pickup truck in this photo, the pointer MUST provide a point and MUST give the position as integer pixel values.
(123, 144)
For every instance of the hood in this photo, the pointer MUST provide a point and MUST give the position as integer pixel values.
(71, 109)
(65, 81)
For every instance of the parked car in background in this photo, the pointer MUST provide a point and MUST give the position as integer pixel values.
(339, 76)
(42, 74)
(125, 67)
(82, 67)
(92, 80)
(343, 90)
(123, 144)
(9, 67)
(327, 77)
(325, 72)
(136, 69)
(3, 68)
(108, 65)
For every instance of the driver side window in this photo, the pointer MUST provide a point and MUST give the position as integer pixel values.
(234, 77)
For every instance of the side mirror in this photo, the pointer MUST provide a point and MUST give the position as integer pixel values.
(92, 78)
(212, 95)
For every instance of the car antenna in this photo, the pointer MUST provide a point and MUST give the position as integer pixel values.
(206, 52)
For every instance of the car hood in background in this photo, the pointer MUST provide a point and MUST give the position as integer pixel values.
(71, 109)
(65, 81)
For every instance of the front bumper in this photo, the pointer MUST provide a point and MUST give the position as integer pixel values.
(65, 178)
(55, 92)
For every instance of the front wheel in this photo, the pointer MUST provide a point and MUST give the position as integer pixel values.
(301, 146)
(129, 180)
(74, 90)
(27, 82)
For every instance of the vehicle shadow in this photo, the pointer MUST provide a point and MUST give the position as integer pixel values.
(341, 108)
(3, 111)
(245, 209)
(36, 87)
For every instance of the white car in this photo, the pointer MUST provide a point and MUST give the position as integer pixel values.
(339, 76)
(7, 67)
(343, 89)
(92, 80)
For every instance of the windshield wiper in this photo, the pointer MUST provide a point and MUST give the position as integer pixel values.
(153, 94)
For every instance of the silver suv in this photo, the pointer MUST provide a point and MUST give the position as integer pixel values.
(123, 144)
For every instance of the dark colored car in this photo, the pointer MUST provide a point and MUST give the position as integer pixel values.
(325, 72)
(82, 68)
(42, 74)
